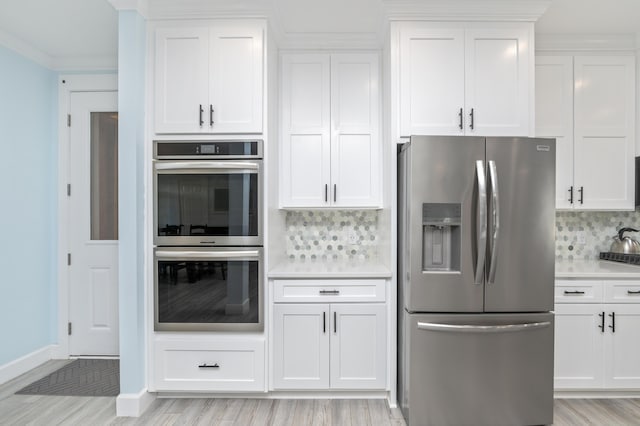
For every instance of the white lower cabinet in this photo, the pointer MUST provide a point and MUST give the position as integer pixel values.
(597, 344)
(330, 346)
(209, 365)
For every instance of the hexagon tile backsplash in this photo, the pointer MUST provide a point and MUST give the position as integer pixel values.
(596, 229)
(332, 235)
(352, 234)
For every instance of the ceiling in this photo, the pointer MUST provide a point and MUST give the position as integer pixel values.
(76, 34)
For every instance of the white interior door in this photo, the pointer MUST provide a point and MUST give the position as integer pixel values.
(93, 224)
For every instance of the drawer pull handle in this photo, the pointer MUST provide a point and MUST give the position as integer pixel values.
(576, 292)
(633, 291)
(326, 292)
(209, 366)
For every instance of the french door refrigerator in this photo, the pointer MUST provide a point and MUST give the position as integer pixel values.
(476, 244)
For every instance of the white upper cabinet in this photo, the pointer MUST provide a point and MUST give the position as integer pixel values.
(209, 79)
(330, 149)
(465, 78)
(588, 104)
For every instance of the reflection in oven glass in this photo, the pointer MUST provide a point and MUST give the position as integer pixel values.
(208, 205)
(208, 292)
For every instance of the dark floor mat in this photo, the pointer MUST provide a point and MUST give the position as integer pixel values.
(82, 377)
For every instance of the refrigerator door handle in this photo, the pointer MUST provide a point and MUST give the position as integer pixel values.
(463, 328)
(481, 222)
(495, 213)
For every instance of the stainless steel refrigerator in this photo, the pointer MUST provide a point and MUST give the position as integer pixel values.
(476, 242)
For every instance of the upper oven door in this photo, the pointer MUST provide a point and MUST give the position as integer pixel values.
(208, 203)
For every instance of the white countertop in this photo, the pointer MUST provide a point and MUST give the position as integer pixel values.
(595, 269)
(329, 269)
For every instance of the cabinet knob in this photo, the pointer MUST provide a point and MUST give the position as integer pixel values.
(471, 115)
(201, 112)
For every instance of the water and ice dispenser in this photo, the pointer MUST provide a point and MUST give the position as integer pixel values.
(441, 236)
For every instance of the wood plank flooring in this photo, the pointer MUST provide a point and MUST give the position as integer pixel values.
(71, 410)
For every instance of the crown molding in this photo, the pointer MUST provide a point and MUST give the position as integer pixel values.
(332, 41)
(586, 42)
(206, 9)
(140, 6)
(26, 50)
(465, 10)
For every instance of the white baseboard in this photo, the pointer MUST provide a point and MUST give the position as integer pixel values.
(23, 364)
(133, 404)
(596, 393)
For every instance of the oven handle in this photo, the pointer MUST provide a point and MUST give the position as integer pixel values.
(198, 165)
(207, 255)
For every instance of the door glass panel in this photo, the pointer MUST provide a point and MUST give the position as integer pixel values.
(208, 204)
(104, 175)
(214, 292)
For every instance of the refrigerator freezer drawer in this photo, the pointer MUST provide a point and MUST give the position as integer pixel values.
(484, 369)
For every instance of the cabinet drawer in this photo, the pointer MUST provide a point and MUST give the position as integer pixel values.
(295, 291)
(209, 366)
(622, 292)
(571, 291)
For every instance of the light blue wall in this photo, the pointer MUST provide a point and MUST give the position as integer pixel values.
(131, 162)
(28, 208)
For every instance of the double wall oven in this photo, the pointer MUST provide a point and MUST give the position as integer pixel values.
(208, 235)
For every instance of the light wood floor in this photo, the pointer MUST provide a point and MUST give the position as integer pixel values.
(68, 410)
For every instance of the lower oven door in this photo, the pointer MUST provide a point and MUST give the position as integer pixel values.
(202, 289)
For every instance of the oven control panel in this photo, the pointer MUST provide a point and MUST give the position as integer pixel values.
(207, 149)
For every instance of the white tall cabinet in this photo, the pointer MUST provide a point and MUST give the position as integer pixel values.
(330, 130)
(209, 79)
(588, 104)
(465, 78)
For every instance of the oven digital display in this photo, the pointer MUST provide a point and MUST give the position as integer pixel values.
(208, 149)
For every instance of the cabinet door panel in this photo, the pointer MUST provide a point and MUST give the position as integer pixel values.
(604, 131)
(431, 80)
(305, 152)
(497, 81)
(301, 346)
(578, 347)
(554, 117)
(622, 348)
(354, 177)
(355, 161)
(604, 100)
(236, 79)
(181, 79)
(358, 346)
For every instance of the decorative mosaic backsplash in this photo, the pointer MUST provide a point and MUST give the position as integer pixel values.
(332, 235)
(598, 228)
